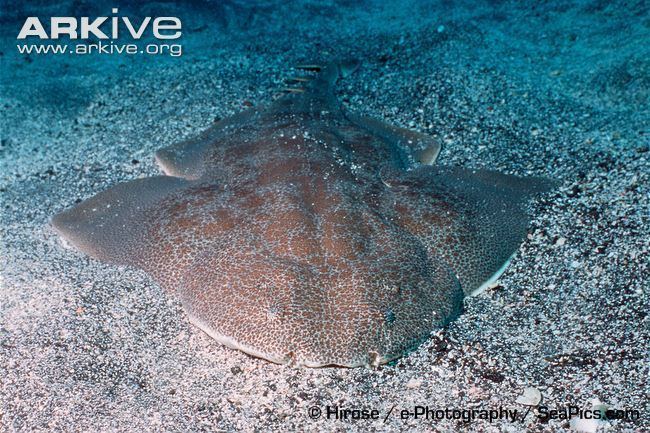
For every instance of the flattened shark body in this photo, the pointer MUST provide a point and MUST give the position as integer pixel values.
(307, 234)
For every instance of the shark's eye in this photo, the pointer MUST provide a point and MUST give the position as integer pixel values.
(273, 312)
(389, 315)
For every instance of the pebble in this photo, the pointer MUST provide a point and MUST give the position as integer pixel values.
(530, 397)
(414, 383)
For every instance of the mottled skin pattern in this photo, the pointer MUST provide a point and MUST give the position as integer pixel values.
(301, 233)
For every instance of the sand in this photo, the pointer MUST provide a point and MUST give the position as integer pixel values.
(557, 90)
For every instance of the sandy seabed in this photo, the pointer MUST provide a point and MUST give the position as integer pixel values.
(559, 90)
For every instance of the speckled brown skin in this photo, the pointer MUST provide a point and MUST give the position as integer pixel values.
(300, 233)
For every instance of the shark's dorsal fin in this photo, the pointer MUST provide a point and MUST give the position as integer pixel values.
(314, 91)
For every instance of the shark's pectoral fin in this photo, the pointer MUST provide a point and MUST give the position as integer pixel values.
(423, 148)
(112, 225)
(474, 219)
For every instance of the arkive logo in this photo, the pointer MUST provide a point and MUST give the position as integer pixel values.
(82, 28)
(107, 30)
